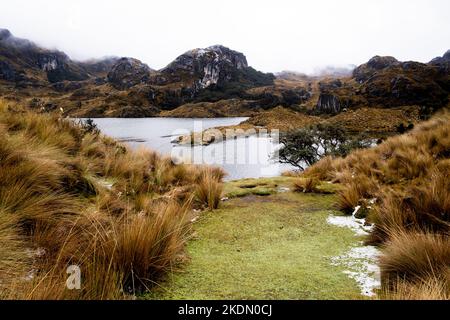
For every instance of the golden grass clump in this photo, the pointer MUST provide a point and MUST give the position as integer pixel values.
(71, 197)
(306, 185)
(209, 187)
(409, 176)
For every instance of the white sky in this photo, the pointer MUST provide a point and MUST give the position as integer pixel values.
(274, 35)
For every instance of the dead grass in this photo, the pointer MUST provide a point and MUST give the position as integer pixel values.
(409, 175)
(210, 188)
(68, 197)
(415, 256)
(306, 185)
(425, 289)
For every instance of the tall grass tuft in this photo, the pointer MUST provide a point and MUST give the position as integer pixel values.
(409, 177)
(209, 188)
(72, 197)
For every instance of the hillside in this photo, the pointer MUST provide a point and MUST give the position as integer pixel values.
(215, 82)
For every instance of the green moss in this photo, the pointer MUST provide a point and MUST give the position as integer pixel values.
(276, 247)
(260, 187)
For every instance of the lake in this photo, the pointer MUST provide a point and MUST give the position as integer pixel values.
(245, 157)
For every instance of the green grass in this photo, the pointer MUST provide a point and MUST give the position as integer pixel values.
(268, 186)
(273, 247)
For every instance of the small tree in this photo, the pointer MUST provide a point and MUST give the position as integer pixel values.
(89, 126)
(304, 147)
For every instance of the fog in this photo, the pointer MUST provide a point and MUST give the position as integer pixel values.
(277, 35)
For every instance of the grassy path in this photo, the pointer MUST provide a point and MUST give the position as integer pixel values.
(272, 247)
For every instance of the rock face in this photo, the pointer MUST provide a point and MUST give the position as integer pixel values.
(59, 67)
(213, 67)
(128, 72)
(7, 71)
(328, 103)
(56, 65)
(377, 63)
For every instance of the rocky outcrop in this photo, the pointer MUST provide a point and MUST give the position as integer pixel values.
(213, 67)
(56, 66)
(59, 67)
(406, 83)
(127, 73)
(443, 63)
(4, 34)
(7, 71)
(377, 63)
(329, 104)
(387, 82)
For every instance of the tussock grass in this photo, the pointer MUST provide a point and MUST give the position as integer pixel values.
(306, 185)
(409, 175)
(71, 197)
(209, 188)
(431, 288)
(415, 256)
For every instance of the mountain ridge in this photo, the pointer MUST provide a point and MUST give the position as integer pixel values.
(202, 79)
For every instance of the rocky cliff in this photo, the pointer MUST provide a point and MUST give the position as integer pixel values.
(213, 67)
(128, 72)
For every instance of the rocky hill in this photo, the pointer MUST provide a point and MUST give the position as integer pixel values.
(385, 82)
(209, 82)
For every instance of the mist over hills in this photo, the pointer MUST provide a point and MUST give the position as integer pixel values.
(126, 87)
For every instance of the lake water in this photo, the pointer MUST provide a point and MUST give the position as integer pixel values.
(246, 157)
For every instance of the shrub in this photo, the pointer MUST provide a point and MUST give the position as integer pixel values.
(307, 146)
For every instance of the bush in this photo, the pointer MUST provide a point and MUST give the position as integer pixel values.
(305, 147)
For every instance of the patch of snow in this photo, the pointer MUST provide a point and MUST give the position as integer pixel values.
(361, 265)
(358, 226)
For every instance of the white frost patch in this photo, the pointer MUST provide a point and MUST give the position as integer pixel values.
(361, 263)
(358, 226)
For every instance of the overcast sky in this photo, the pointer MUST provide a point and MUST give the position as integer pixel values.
(274, 35)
